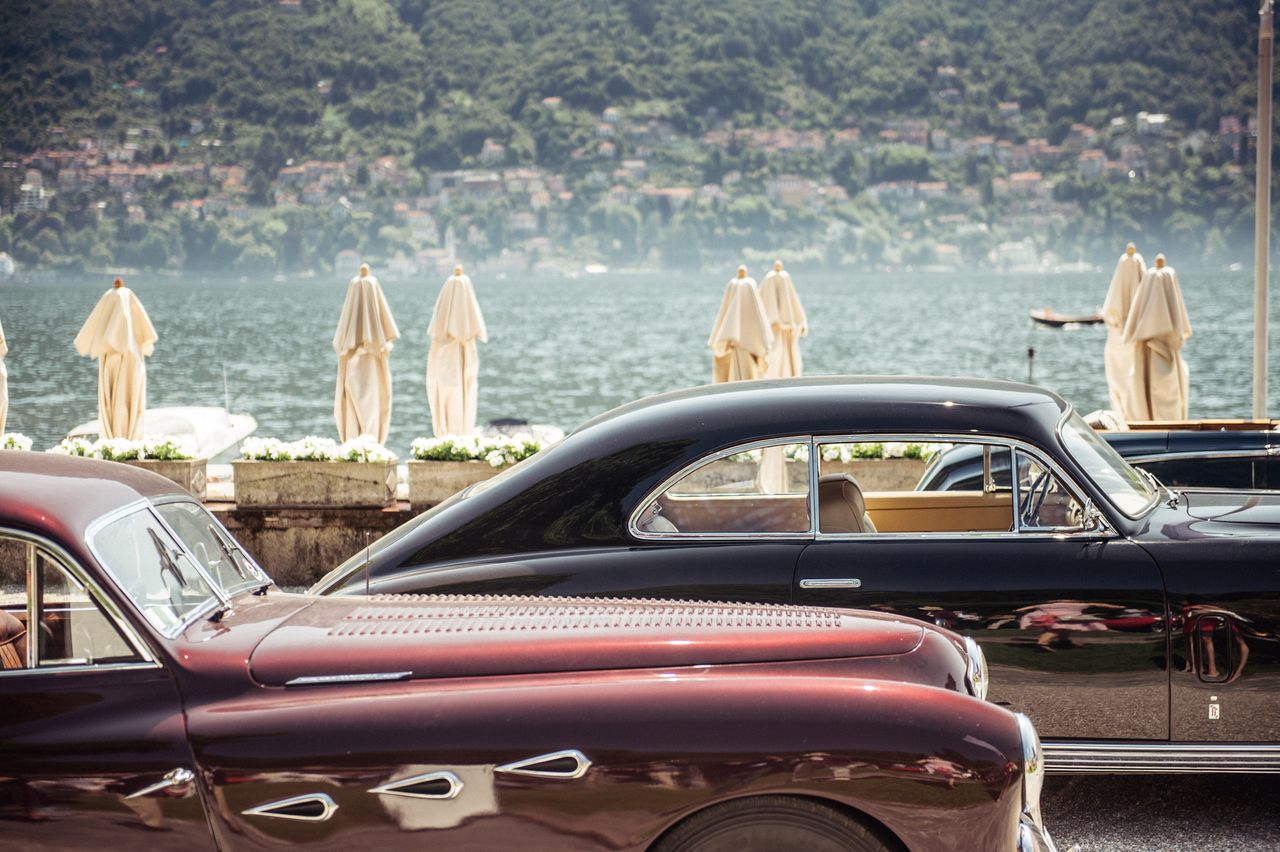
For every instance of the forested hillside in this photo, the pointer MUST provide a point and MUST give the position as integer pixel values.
(251, 133)
(437, 78)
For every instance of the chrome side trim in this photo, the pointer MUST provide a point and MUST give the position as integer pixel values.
(1258, 454)
(273, 809)
(833, 583)
(362, 677)
(399, 788)
(1160, 758)
(530, 766)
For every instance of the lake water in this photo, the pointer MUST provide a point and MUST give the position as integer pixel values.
(562, 350)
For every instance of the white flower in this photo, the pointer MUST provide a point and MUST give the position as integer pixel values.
(15, 441)
(265, 449)
(72, 447)
(168, 447)
(313, 448)
(364, 448)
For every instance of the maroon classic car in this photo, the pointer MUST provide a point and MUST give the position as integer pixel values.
(157, 691)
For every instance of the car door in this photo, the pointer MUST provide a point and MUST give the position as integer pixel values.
(92, 731)
(1072, 620)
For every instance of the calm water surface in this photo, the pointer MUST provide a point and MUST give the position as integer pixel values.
(561, 351)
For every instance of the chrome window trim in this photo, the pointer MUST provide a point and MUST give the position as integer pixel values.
(633, 522)
(142, 505)
(1106, 495)
(1260, 454)
(109, 608)
(1018, 532)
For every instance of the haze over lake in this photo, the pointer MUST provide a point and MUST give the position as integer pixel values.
(563, 350)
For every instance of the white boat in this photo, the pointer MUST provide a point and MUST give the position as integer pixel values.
(210, 429)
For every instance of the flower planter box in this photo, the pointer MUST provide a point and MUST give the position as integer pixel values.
(190, 474)
(432, 482)
(880, 474)
(312, 484)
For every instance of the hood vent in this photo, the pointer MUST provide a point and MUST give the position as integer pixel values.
(312, 807)
(434, 785)
(564, 765)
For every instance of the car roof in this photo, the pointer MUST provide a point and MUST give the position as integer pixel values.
(48, 492)
(823, 403)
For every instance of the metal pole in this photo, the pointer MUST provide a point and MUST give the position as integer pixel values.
(1262, 214)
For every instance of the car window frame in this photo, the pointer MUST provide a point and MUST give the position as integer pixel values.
(634, 530)
(1106, 530)
(110, 609)
(216, 600)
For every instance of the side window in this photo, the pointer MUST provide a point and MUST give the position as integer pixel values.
(913, 487)
(54, 621)
(1207, 472)
(758, 490)
(1044, 503)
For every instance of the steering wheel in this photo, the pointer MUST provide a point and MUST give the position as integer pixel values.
(1033, 499)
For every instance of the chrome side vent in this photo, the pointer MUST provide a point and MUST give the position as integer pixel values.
(433, 785)
(563, 765)
(312, 807)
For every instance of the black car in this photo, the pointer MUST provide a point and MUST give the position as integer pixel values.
(1179, 458)
(1136, 625)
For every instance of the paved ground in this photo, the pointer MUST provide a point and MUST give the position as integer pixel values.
(1163, 812)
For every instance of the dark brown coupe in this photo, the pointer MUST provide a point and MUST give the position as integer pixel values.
(158, 692)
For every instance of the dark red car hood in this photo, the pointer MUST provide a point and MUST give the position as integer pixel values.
(457, 636)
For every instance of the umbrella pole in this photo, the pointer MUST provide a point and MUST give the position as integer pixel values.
(1262, 213)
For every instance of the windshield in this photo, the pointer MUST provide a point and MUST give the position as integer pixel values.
(1127, 488)
(169, 577)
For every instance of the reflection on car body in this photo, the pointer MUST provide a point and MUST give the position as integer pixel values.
(761, 491)
(157, 690)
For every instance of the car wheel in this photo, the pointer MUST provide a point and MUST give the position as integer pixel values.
(771, 824)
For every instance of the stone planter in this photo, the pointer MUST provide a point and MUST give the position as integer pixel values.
(312, 484)
(880, 474)
(431, 482)
(190, 474)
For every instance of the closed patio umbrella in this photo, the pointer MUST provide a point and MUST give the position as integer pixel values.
(4, 381)
(1157, 327)
(119, 334)
(363, 341)
(740, 339)
(787, 322)
(453, 364)
(1118, 356)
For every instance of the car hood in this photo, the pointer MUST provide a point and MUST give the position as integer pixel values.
(337, 638)
(1235, 507)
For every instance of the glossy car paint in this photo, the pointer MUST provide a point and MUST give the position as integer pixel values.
(1087, 632)
(676, 707)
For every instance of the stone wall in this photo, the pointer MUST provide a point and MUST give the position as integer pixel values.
(299, 546)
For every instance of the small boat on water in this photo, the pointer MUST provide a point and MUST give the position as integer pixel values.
(1050, 317)
(210, 429)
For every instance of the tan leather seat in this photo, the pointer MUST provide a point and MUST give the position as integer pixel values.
(13, 642)
(841, 507)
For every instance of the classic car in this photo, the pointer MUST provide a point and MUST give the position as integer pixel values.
(159, 692)
(1179, 458)
(1136, 625)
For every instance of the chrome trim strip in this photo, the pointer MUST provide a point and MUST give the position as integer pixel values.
(73, 568)
(360, 677)
(1259, 454)
(633, 521)
(82, 667)
(1160, 758)
(266, 810)
(832, 583)
(529, 766)
(394, 788)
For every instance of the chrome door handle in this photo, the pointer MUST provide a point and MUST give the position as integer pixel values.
(173, 778)
(833, 583)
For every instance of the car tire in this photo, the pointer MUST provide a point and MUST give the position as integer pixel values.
(771, 824)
